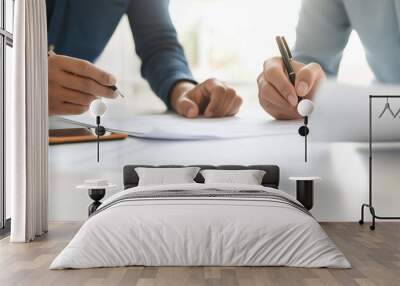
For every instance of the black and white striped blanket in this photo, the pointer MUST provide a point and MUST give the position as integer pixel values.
(204, 194)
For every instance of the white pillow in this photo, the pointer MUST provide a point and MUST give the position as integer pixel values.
(248, 177)
(166, 176)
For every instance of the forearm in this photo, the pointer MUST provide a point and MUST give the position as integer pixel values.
(166, 71)
(322, 33)
(163, 60)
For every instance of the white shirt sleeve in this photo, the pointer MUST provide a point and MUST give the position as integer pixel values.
(322, 33)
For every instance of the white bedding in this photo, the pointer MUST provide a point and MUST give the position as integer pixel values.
(200, 231)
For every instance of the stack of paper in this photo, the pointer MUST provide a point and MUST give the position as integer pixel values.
(174, 127)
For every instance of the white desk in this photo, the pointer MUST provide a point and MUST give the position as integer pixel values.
(343, 167)
(340, 193)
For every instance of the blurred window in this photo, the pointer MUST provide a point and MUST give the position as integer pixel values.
(6, 42)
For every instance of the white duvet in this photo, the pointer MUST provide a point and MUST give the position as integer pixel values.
(200, 231)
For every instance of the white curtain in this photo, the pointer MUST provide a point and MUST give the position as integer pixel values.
(27, 123)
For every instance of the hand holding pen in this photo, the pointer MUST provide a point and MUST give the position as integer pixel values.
(278, 95)
(304, 106)
(75, 83)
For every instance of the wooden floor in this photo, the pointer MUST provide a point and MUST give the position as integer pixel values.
(375, 257)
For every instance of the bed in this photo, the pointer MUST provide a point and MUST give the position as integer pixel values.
(201, 224)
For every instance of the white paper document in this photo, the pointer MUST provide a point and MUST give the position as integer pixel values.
(174, 127)
(342, 114)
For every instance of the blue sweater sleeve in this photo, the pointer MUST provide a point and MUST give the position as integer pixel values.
(82, 29)
(163, 60)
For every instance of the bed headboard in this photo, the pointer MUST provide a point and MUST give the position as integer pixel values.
(271, 177)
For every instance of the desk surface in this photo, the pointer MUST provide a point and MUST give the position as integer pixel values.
(71, 164)
(343, 167)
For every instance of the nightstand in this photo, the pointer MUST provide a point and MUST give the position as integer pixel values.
(305, 190)
(96, 191)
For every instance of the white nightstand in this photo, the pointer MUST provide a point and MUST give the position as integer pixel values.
(305, 190)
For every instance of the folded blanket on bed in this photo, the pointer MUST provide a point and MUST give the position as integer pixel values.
(201, 224)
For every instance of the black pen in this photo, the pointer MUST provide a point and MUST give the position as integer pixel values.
(287, 58)
(114, 88)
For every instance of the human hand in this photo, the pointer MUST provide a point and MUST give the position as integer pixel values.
(74, 84)
(211, 98)
(278, 96)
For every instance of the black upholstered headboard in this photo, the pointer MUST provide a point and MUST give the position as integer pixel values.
(271, 177)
